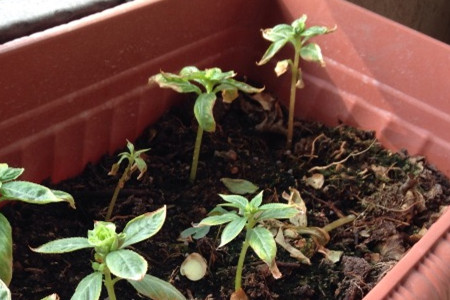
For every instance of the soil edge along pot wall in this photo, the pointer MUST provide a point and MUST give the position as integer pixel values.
(74, 92)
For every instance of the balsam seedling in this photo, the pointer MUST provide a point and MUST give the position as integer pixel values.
(135, 162)
(114, 262)
(248, 215)
(192, 80)
(298, 35)
(25, 191)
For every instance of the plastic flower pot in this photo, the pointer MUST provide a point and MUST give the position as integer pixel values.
(75, 92)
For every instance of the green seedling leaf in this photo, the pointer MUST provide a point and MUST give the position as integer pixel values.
(188, 71)
(174, 82)
(64, 245)
(126, 264)
(299, 24)
(31, 193)
(257, 200)
(239, 186)
(8, 174)
(315, 31)
(6, 258)
(215, 74)
(103, 237)
(89, 288)
(218, 219)
(312, 52)
(278, 33)
(65, 197)
(143, 227)
(273, 49)
(232, 230)
(155, 288)
(236, 201)
(285, 212)
(203, 110)
(263, 243)
(195, 232)
(234, 84)
(5, 294)
(218, 210)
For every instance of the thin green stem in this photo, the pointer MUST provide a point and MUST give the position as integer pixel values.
(198, 143)
(109, 284)
(294, 79)
(119, 186)
(238, 278)
(240, 265)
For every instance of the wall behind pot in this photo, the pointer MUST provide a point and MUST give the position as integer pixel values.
(431, 17)
(19, 18)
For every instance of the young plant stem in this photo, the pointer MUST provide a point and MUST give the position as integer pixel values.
(119, 186)
(238, 278)
(240, 265)
(339, 222)
(294, 79)
(198, 143)
(109, 284)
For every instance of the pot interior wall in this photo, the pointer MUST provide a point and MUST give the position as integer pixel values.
(72, 93)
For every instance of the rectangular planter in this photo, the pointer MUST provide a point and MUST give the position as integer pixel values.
(75, 92)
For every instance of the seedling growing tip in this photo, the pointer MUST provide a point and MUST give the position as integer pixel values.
(192, 80)
(135, 162)
(298, 35)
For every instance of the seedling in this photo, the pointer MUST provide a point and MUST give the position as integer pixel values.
(298, 35)
(135, 162)
(192, 80)
(113, 259)
(247, 216)
(15, 190)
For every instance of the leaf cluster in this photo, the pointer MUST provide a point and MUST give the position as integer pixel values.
(298, 35)
(246, 215)
(113, 257)
(206, 84)
(25, 191)
(135, 161)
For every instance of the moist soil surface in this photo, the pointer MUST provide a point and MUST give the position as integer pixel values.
(394, 198)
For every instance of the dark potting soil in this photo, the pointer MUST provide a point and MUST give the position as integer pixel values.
(393, 196)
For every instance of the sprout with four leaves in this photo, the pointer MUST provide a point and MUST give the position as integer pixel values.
(191, 80)
(298, 35)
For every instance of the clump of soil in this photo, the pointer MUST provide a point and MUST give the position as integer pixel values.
(393, 196)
